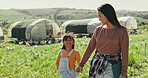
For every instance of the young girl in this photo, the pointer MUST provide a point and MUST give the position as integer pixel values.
(67, 57)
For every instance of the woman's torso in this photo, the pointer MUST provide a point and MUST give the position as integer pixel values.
(108, 40)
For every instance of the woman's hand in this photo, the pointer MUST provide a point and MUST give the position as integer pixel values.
(122, 76)
(79, 69)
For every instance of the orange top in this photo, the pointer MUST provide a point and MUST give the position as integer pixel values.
(75, 56)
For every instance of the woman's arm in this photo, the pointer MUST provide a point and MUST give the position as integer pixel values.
(88, 51)
(124, 43)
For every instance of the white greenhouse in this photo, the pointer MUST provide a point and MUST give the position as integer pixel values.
(37, 29)
(87, 26)
(129, 22)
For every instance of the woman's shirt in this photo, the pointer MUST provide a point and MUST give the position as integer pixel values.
(73, 58)
(109, 41)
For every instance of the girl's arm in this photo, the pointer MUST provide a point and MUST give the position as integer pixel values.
(58, 60)
(78, 57)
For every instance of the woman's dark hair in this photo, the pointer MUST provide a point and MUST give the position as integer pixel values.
(110, 14)
(65, 38)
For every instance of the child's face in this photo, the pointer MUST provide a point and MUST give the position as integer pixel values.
(68, 43)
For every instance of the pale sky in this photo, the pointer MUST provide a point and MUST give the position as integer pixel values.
(134, 5)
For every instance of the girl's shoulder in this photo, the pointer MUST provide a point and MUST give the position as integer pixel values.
(76, 51)
(62, 50)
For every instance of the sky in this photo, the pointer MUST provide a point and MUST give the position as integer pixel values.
(133, 5)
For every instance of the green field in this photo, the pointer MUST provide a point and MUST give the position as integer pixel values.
(39, 61)
(12, 16)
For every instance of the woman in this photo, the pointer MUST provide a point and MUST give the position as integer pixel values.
(111, 43)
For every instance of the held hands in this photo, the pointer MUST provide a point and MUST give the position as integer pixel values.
(122, 76)
(79, 69)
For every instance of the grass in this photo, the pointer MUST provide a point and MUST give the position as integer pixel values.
(39, 61)
(12, 16)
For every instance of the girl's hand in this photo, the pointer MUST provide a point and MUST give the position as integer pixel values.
(79, 69)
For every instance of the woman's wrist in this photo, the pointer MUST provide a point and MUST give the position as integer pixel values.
(123, 75)
(81, 65)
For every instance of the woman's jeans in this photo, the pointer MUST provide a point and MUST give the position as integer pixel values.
(108, 73)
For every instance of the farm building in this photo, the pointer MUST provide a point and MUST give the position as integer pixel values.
(1, 35)
(85, 26)
(36, 30)
(129, 22)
